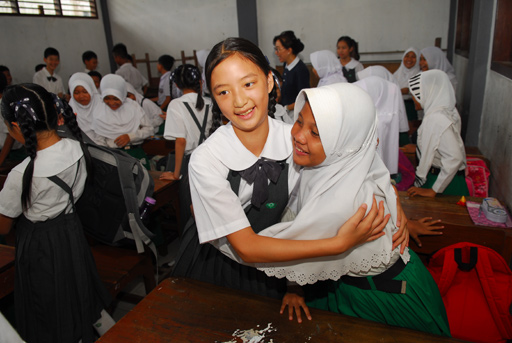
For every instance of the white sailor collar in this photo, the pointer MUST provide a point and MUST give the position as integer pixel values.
(293, 64)
(226, 147)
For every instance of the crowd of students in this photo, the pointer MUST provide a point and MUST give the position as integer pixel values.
(312, 204)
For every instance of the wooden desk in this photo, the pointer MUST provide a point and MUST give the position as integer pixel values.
(458, 225)
(7, 254)
(184, 310)
(166, 193)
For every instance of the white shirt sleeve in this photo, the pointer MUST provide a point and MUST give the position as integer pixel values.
(10, 195)
(174, 124)
(145, 130)
(451, 159)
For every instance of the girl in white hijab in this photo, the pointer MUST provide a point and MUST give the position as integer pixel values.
(383, 73)
(409, 67)
(440, 149)
(327, 67)
(153, 111)
(120, 120)
(434, 58)
(84, 99)
(387, 100)
(202, 55)
(335, 138)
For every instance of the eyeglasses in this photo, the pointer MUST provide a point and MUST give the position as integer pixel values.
(278, 49)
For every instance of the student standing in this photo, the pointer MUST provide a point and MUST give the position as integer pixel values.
(295, 74)
(127, 70)
(47, 77)
(440, 149)
(58, 293)
(164, 67)
(348, 51)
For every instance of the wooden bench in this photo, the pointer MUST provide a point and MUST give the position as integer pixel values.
(118, 267)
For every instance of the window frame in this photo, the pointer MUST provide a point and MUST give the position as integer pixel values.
(501, 61)
(58, 9)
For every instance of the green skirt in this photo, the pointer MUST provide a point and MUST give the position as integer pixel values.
(458, 186)
(420, 308)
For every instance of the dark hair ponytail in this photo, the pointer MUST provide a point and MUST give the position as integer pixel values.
(249, 51)
(188, 76)
(351, 44)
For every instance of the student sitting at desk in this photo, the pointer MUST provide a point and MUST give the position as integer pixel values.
(440, 149)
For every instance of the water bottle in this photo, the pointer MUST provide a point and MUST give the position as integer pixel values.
(146, 208)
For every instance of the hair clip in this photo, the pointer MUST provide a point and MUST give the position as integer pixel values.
(58, 104)
(25, 103)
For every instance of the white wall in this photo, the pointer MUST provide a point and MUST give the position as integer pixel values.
(495, 140)
(391, 25)
(23, 40)
(160, 27)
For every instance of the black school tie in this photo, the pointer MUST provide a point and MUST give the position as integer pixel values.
(51, 79)
(259, 173)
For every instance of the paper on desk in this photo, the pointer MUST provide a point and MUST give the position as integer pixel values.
(474, 211)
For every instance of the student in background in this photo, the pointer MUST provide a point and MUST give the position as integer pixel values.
(409, 67)
(326, 67)
(201, 59)
(440, 149)
(348, 52)
(90, 60)
(153, 112)
(164, 67)
(295, 74)
(126, 69)
(84, 100)
(57, 292)
(96, 77)
(4, 70)
(434, 58)
(281, 113)
(120, 120)
(10, 149)
(47, 77)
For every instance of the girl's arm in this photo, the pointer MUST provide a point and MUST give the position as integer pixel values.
(6, 149)
(253, 248)
(145, 130)
(179, 152)
(5, 224)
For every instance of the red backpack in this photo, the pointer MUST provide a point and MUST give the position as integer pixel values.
(476, 285)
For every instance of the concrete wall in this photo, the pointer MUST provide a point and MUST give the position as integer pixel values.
(496, 134)
(391, 25)
(23, 40)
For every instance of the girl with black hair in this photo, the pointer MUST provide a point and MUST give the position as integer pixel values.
(295, 73)
(58, 293)
(348, 52)
(241, 178)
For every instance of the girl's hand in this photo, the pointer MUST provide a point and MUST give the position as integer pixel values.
(409, 148)
(360, 228)
(401, 237)
(424, 226)
(295, 301)
(163, 115)
(424, 192)
(122, 140)
(168, 176)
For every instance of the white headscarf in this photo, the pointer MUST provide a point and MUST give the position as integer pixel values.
(383, 73)
(403, 74)
(328, 67)
(126, 119)
(202, 55)
(84, 114)
(331, 192)
(387, 98)
(436, 59)
(433, 90)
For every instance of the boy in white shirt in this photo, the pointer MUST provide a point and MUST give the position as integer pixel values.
(126, 69)
(90, 60)
(164, 66)
(47, 77)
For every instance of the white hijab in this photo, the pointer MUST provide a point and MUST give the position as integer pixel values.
(126, 119)
(383, 73)
(403, 74)
(387, 99)
(328, 67)
(436, 59)
(331, 192)
(84, 114)
(202, 55)
(433, 90)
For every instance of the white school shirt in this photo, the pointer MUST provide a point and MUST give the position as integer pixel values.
(218, 210)
(164, 88)
(41, 78)
(133, 76)
(283, 115)
(353, 64)
(4, 132)
(180, 124)
(47, 199)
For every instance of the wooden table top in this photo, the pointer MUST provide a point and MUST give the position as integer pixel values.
(185, 310)
(7, 255)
